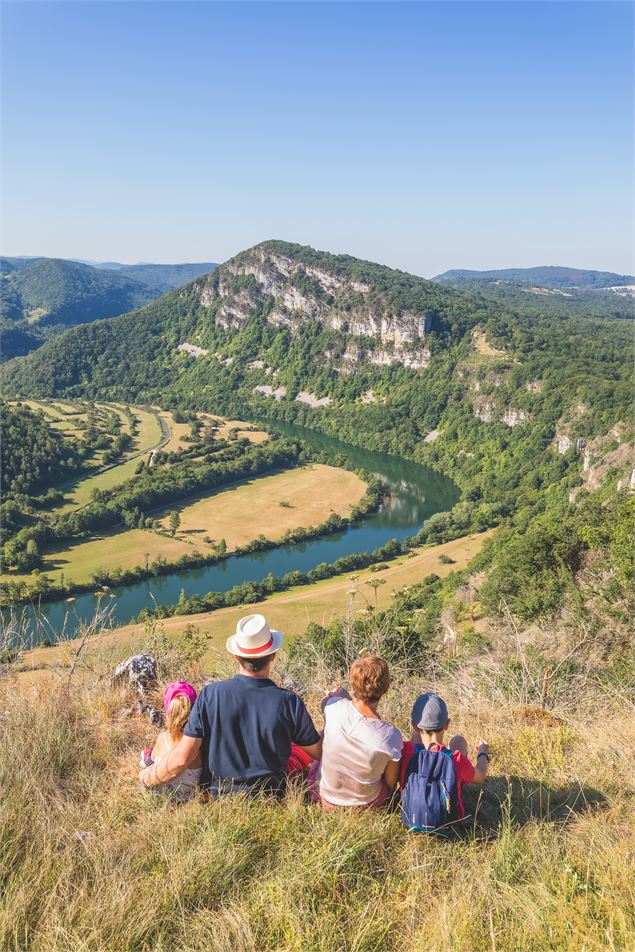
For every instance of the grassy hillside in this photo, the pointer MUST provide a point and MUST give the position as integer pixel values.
(544, 862)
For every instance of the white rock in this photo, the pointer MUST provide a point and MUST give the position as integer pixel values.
(193, 350)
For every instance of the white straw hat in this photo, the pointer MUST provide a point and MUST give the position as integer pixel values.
(254, 638)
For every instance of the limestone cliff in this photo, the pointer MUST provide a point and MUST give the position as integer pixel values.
(291, 285)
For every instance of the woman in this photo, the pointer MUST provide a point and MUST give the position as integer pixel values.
(360, 751)
(178, 699)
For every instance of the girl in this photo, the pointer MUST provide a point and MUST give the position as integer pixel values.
(178, 699)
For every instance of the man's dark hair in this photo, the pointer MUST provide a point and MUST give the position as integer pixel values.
(254, 665)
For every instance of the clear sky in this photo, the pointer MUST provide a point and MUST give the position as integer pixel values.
(426, 136)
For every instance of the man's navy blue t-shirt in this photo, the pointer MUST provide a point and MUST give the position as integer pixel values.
(247, 726)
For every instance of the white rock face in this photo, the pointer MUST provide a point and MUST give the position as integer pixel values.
(563, 443)
(416, 360)
(268, 391)
(193, 350)
(295, 292)
(485, 412)
(312, 400)
(431, 437)
(514, 417)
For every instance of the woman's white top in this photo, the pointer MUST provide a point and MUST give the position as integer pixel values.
(355, 752)
(185, 785)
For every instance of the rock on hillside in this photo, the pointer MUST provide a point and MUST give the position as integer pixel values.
(390, 312)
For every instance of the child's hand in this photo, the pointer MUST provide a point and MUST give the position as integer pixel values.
(483, 747)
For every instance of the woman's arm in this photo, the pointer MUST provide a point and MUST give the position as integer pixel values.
(391, 774)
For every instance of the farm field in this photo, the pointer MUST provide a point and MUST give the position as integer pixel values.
(289, 612)
(254, 436)
(108, 550)
(177, 432)
(238, 514)
(270, 505)
(148, 434)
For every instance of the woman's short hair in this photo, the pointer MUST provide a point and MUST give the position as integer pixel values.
(369, 678)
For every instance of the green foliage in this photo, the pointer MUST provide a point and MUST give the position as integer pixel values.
(33, 455)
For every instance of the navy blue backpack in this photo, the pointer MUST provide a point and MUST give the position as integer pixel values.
(430, 796)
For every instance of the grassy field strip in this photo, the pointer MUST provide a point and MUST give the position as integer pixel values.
(247, 509)
(238, 514)
(48, 409)
(289, 612)
(79, 493)
(149, 430)
(255, 436)
(177, 432)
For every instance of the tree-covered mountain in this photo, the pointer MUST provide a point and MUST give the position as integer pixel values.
(555, 291)
(162, 277)
(542, 277)
(41, 297)
(503, 399)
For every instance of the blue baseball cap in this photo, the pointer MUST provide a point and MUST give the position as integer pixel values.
(429, 712)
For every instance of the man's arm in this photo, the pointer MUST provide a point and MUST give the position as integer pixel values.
(313, 750)
(174, 764)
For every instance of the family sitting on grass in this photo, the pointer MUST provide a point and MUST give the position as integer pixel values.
(248, 735)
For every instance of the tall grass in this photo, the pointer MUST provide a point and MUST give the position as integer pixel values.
(88, 861)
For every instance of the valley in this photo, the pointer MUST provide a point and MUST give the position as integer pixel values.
(439, 475)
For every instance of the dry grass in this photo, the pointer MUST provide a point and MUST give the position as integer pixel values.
(289, 611)
(90, 862)
(80, 561)
(254, 507)
(253, 435)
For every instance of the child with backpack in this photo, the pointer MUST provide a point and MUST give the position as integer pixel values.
(432, 775)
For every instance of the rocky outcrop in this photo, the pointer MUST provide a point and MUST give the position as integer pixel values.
(290, 292)
(485, 411)
(266, 391)
(563, 443)
(193, 350)
(311, 400)
(515, 417)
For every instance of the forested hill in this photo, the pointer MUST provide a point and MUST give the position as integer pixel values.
(543, 277)
(40, 297)
(162, 277)
(501, 398)
(557, 291)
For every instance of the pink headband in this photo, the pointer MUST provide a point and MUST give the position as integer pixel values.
(178, 687)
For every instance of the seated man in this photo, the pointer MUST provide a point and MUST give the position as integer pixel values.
(244, 728)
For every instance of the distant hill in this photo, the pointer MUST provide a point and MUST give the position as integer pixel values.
(562, 292)
(41, 297)
(163, 277)
(543, 277)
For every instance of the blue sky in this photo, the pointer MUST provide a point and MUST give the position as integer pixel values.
(422, 135)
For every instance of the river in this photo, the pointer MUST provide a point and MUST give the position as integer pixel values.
(416, 492)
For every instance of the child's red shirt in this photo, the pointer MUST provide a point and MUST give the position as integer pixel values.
(464, 767)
